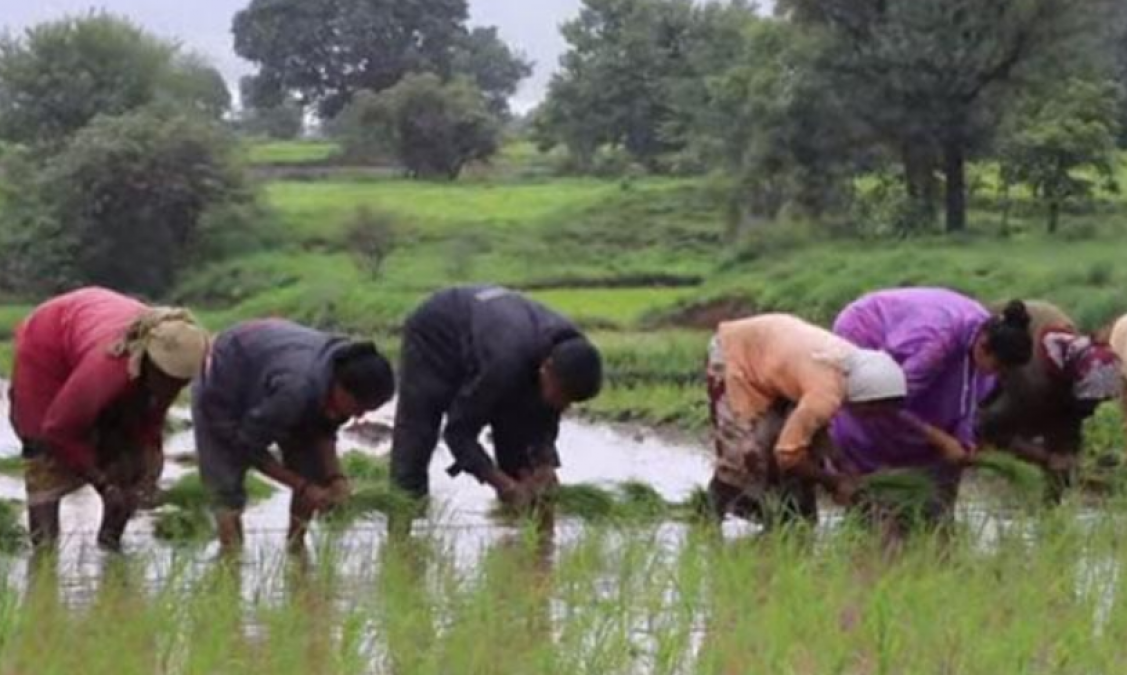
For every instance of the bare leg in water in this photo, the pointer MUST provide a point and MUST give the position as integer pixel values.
(115, 517)
(43, 524)
(229, 524)
(301, 512)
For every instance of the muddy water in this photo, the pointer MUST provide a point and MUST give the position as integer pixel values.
(460, 515)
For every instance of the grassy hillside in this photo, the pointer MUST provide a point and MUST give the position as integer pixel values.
(647, 265)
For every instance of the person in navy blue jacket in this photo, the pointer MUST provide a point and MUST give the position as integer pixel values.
(485, 356)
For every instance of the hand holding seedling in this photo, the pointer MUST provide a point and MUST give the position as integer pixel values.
(318, 498)
(340, 490)
(541, 481)
(1060, 462)
(845, 491)
(949, 448)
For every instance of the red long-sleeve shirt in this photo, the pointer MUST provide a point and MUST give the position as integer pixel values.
(64, 377)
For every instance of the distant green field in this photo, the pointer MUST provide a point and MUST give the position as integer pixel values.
(316, 210)
(629, 260)
(279, 153)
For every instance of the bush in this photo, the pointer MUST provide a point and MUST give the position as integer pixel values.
(434, 128)
(370, 235)
(611, 162)
(122, 205)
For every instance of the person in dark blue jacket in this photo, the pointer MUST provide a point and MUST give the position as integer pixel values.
(275, 382)
(485, 356)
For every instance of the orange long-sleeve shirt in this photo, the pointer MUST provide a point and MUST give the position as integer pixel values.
(781, 357)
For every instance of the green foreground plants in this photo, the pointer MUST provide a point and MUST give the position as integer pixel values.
(1044, 595)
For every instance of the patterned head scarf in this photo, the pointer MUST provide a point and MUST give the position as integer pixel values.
(170, 337)
(1093, 368)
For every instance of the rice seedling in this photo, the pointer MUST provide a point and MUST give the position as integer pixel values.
(183, 513)
(12, 532)
(1026, 480)
(905, 496)
(586, 501)
(12, 466)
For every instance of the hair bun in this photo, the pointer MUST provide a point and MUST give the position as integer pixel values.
(1016, 314)
(357, 350)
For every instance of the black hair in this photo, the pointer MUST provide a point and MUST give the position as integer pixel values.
(1007, 335)
(578, 368)
(361, 370)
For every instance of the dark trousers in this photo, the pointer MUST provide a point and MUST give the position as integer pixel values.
(424, 397)
(523, 431)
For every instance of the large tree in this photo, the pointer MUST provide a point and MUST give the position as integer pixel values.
(635, 75)
(327, 51)
(612, 86)
(265, 116)
(932, 76)
(492, 64)
(58, 76)
(1060, 141)
(777, 128)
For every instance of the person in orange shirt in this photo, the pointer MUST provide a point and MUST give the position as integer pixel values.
(774, 383)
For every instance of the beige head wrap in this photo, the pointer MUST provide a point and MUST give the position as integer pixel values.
(1118, 342)
(171, 338)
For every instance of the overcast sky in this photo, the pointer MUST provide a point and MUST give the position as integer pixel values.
(204, 26)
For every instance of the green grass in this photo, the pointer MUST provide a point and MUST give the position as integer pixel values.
(287, 153)
(317, 210)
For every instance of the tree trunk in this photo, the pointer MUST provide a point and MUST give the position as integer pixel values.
(1054, 215)
(1007, 205)
(919, 173)
(954, 169)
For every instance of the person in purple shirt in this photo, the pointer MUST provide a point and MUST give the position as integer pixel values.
(950, 348)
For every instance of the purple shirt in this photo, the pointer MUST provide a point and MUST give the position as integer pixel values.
(930, 332)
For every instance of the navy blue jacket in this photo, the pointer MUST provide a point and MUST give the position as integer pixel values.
(266, 382)
(492, 342)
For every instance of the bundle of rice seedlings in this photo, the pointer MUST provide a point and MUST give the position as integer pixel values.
(1021, 475)
(184, 514)
(369, 498)
(585, 500)
(13, 536)
(189, 492)
(12, 466)
(903, 494)
(641, 501)
(696, 507)
(362, 468)
(176, 523)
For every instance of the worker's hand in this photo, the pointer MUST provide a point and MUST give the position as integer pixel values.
(316, 497)
(954, 453)
(542, 481)
(341, 490)
(845, 491)
(950, 449)
(788, 460)
(517, 496)
(1061, 462)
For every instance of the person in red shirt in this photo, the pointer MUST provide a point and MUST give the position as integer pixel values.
(95, 373)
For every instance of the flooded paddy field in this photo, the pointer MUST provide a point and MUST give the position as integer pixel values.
(1011, 590)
